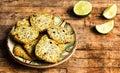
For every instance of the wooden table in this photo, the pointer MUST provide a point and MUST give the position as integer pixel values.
(95, 53)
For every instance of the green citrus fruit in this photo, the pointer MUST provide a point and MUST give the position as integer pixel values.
(110, 12)
(82, 8)
(105, 28)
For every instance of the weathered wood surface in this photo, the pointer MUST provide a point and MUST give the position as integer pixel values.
(95, 53)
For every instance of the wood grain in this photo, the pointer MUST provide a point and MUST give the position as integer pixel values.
(95, 53)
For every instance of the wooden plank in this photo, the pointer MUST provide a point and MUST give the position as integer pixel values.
(89, 45)
(77, 63)
(93, 70)
(53, 3)
(48, 9)
(87, 70)
(31, 70)
(21, 15)
(54, 71)
(96, 54)
(74, 62)
(8, 23)
(90, 39)
(33, 9)
(6, 70)
(9, 62)
(80, 60)
(45, 3)
(37, 3)
(69, 69)
(14, 70)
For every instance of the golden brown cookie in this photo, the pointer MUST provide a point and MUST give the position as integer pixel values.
(47, 50)
(24, 22)
(19, 51)
(24, 34)
(30, 48)
(41, 21)
(59, 34)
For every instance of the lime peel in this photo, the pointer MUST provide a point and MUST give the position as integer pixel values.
(110, 11)
(105, 28)
(82, 8)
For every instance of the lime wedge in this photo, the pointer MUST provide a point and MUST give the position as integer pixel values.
(82, 8)
(110, 12)
(105, 28)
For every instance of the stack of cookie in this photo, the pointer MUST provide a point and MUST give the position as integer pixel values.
(42, 37)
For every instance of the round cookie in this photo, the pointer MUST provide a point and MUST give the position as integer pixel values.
(41, 21)
(59, 34)
(47, 50)
(24, 34)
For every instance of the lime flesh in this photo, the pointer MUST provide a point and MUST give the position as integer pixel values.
(110, 12)
(105, 28)
(82, 8)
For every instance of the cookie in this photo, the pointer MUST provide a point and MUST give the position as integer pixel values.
(59, 34)
(47, 50)
(24, 34)
(24, 22)
(41, 21)
(20, 52)
(30, 48)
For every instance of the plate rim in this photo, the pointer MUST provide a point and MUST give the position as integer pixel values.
(41, 66)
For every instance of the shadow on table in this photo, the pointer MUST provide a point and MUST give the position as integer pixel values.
(4, 48)
(93, 29)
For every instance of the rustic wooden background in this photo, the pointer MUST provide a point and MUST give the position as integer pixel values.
(95, 53)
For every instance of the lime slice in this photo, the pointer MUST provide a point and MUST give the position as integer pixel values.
(106, 27)
(82, 8)
(110, 12)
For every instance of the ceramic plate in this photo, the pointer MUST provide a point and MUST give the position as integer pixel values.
(65, 55)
